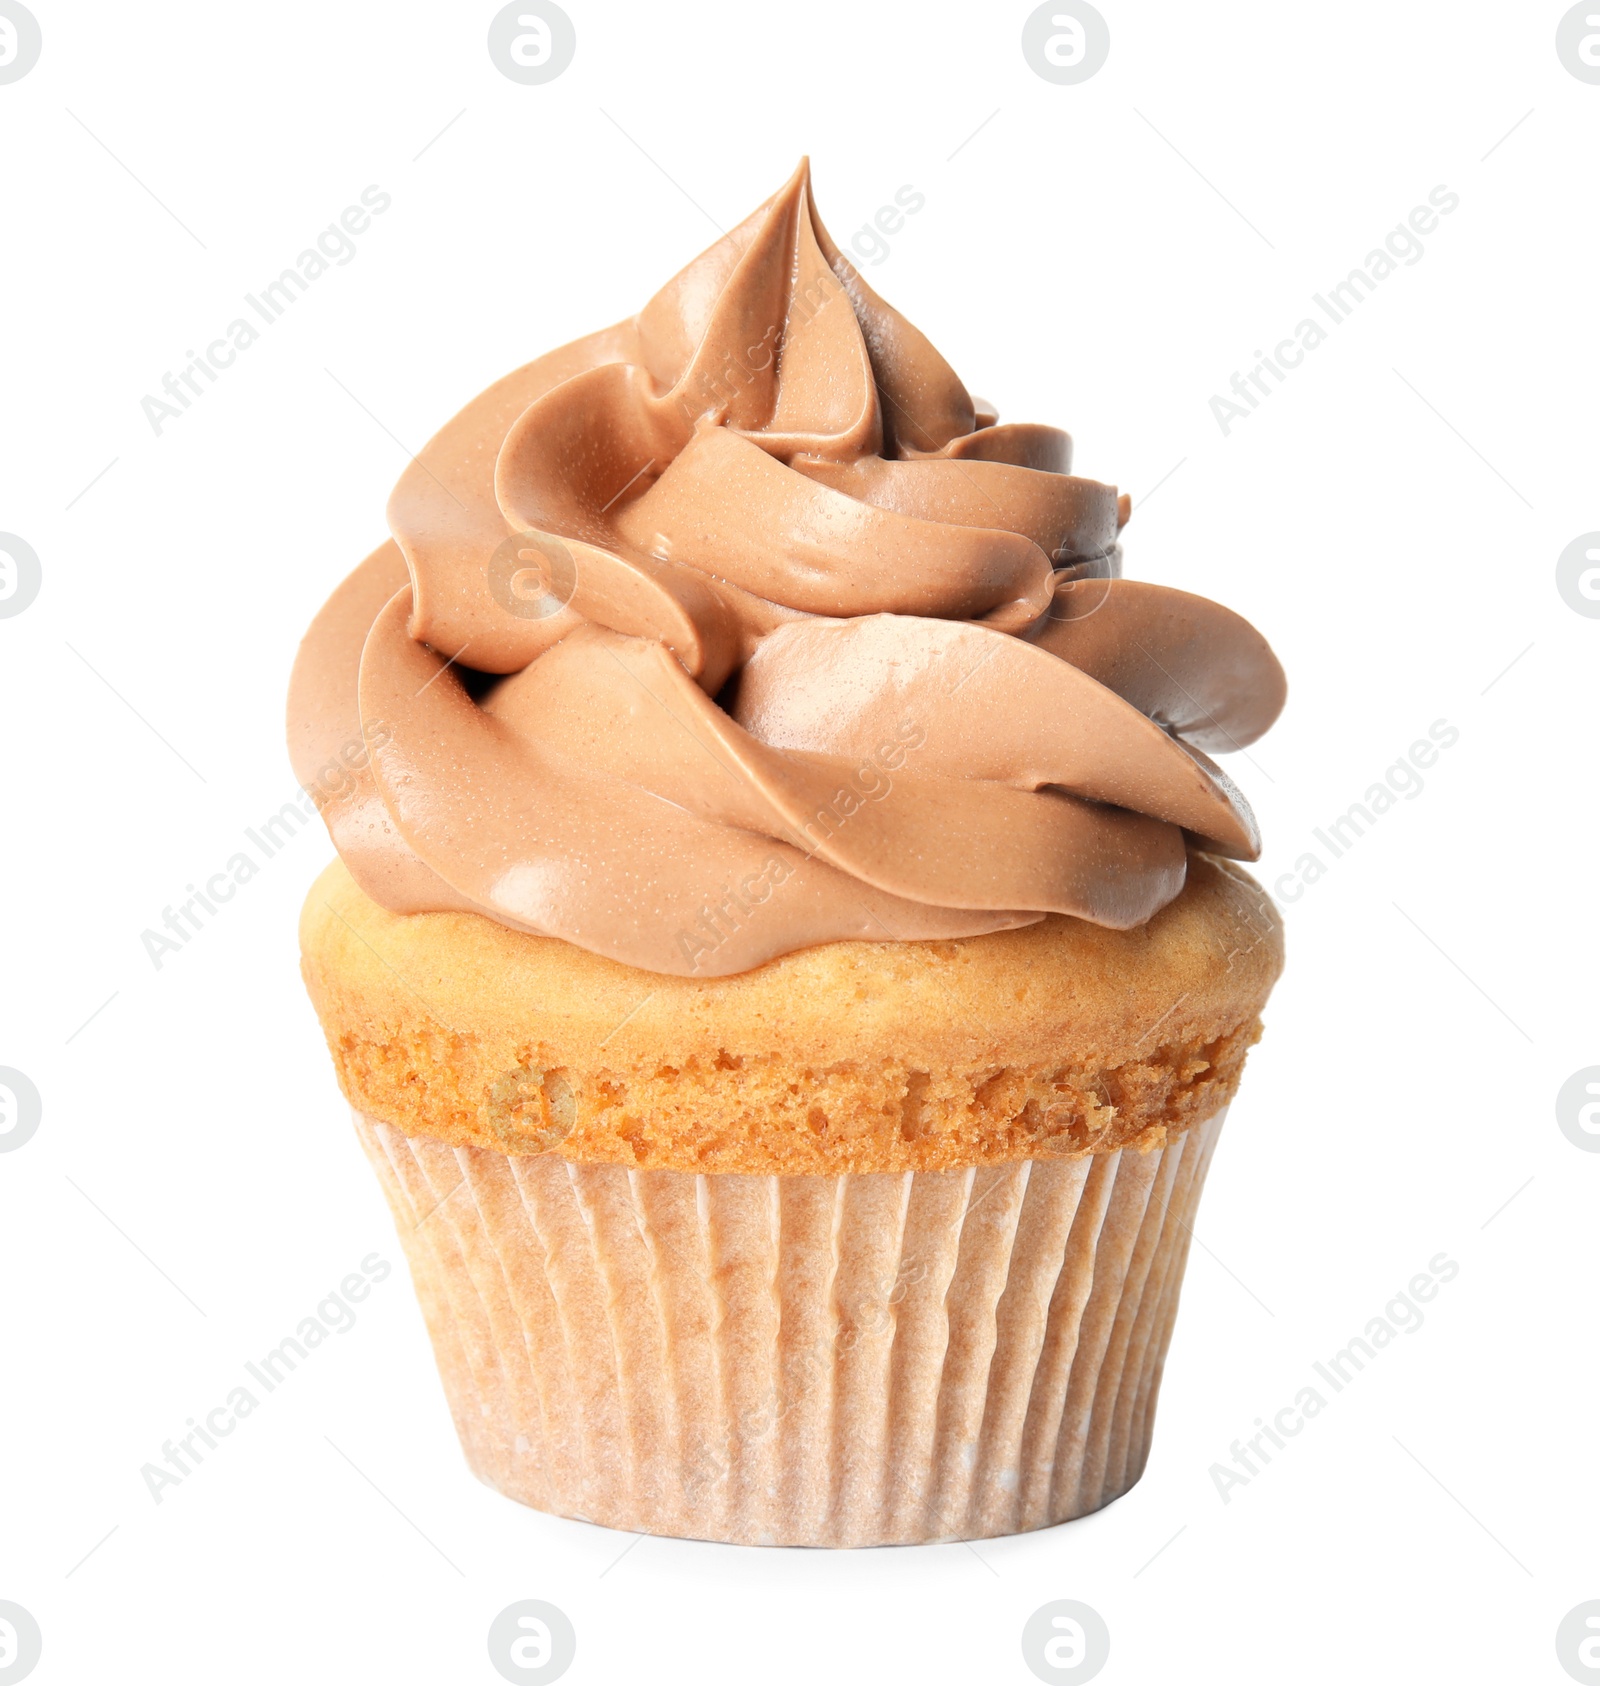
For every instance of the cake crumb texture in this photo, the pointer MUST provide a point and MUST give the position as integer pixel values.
(1052, 1041)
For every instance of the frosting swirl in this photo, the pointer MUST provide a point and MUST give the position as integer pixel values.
(740, 626)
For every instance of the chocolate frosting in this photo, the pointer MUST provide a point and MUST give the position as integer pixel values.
(740, 626)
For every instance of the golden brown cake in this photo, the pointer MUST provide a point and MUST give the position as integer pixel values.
(1059, 1038)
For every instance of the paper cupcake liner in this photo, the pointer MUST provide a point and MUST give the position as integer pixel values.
(799, 1360)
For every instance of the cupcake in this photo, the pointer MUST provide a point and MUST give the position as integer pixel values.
(785, 956)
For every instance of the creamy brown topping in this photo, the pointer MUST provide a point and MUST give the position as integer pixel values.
(740, 626)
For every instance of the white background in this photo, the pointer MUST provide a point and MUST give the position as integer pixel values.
(1103, 257)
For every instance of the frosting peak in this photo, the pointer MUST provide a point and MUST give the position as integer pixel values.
(740, 626)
